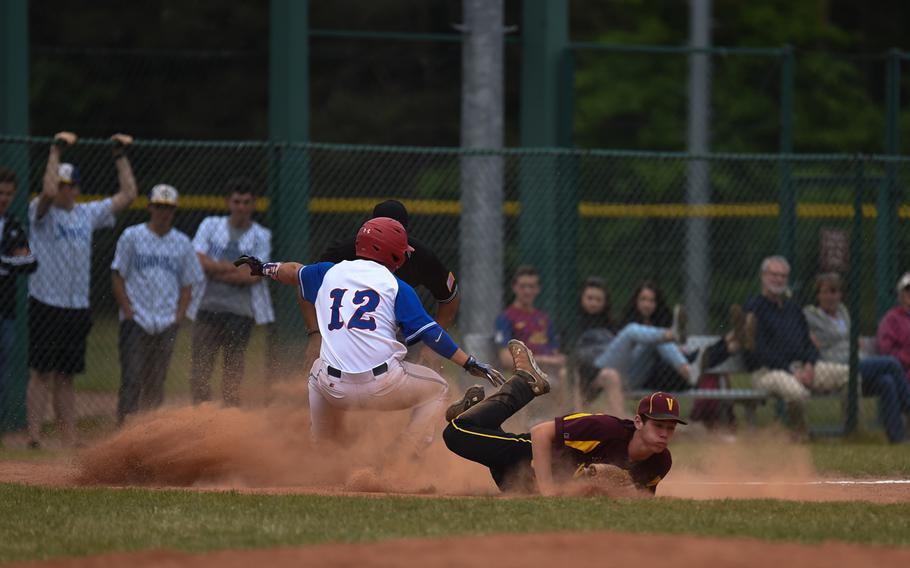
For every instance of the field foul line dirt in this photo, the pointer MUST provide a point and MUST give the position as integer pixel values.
(826, 482)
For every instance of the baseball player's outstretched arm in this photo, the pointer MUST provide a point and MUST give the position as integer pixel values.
(542, 437)
(284, 272)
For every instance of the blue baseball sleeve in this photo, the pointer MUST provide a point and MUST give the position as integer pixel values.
(417, 325)
(310, 279)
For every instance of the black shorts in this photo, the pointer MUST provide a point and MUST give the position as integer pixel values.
(56, 338)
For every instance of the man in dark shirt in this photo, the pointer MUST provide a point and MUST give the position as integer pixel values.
(422, 268)
(784, 361)
(15, 259)
(547, 459)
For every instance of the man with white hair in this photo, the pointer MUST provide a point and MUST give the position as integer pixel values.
(784, 360)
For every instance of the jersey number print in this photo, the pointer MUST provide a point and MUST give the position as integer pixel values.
(367, 300)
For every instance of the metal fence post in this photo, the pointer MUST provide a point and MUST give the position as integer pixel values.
(547, 208)
(888, 198)
(482, 175)
(787, 227)
(289, 168)
(854, 298)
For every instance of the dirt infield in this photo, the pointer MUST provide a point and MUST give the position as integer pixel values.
(610, 549)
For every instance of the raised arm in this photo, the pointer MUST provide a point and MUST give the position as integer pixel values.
(51, 181)
(127, 182)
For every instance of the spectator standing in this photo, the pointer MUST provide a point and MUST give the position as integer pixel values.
(829, 325)
(152, 276)
(230, 301)
(59, 316)
(893, 337)
(15, 259)
(784, 361)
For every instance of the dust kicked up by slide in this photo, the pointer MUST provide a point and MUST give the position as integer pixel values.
(269, 447)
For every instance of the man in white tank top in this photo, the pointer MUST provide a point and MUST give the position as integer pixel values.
(360, 306)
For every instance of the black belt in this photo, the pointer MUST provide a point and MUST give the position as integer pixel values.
(333, 372)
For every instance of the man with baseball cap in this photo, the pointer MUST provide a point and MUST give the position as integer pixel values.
(152, 275)
(552, 455)
(62, 231)
(893, 337)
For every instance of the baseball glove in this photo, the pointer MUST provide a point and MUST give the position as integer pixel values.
(607, 474)
(254, 263)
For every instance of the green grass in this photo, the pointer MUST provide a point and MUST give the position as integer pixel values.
(858, 458)
(39, 523)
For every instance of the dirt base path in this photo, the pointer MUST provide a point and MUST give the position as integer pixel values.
(524, 551)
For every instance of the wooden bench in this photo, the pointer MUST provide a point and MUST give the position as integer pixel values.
(750, 399)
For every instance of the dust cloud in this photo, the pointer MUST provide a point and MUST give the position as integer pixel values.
(213, 446)
(759, 464)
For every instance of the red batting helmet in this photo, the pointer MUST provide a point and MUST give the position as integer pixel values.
(384, 240)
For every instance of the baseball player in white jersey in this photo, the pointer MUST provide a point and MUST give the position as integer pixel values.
(360, 306)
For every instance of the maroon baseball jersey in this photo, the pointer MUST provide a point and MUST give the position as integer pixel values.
(583, 439)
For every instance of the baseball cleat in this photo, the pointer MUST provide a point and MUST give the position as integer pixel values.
(526, 367)
(472, 396)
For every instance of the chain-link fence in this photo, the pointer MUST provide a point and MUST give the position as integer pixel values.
(620, 216)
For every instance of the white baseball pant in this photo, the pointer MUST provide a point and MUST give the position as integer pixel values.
(401, 386)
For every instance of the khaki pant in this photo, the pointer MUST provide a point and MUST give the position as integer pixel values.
(828, 377)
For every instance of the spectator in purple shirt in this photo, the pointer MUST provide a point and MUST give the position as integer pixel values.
(784, 361)
(893, 337)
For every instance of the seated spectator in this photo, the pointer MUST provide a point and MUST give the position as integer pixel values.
(593, 334)
(666, 378)
(893, 336)
(650, 331)
(784, 361)
(829, 326)
(523, 321)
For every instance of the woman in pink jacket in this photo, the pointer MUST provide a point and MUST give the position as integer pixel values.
(893, 336)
